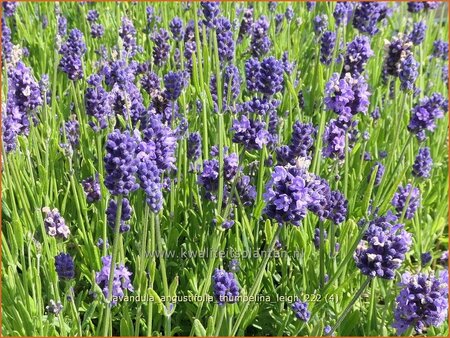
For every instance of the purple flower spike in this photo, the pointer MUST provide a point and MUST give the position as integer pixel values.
(357, 54)
(400, 198)
(271, 76)
(72, 52)
(422, 302)
(260, 42)
(161, 47)
(55, 225)
(418, 33)
(64, 266)
(423, 163)
(125, 215)
(225, 287)
(327, 43)
(301, 311)
(91, 187)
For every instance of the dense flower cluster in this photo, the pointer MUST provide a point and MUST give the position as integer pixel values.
(194, 146)
(120, 163)
(357, 54)
(91, 187)
(383, 249)
(260, 42)
(343, 12)
(327, 42)
(406, 198)
(423, 163)
(225, 287)
(161, 47)
(72, 52)
(422, 302)
(367, 15)
(55, 225)
(121, 279)
(64, 266)
(424, 114)
(270, 79)
(301, 310)
(125, 215)
(301, 145)
(418, 33)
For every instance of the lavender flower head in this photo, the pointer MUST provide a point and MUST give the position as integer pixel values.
(379, 174)
(400, 198)
(173, 82)
(367, 15)
(422, 302)
(252, 67)
(343, 12)
(347, 96)
(408, 73)
(97, 102)
(423, 163)
(92, 15)
(320, 23)
(161, 47)
(260, 42)
(72, 52)
(424, 114)
(383, 249)
(327, 43)
(176, 28)
(9, 8)
(194, 146)
(301, 145)
(225, 287)
(120, 163)
(440, 49)
(91, 187)
(287, 195)
(334, 140)
(64, 266)
(418, 33)
(301, 311)
(127, 33)
(271, 76)
(251, 133)
(150, 178)
(225, 41)
(121, 279)
(97, 30)
(337, 207)
(210, 11)
(125, 215)
(357, 54)
(55, 225)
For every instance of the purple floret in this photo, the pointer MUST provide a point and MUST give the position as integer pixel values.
(55, 225)
(64, 266)
(301, 311)
(357, 54)
(327, 43)
(125, 216)
(225, 287)
(271, 76)
(91, 187)
(400, 198)
(423, 163)
(121, 279)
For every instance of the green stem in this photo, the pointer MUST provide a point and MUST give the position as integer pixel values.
(321, 254)
(350, 305)
(256, 285)
(162, 262)
(222, 310)
(117, 237)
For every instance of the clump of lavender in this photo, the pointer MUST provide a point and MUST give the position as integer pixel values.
(271, 79)
(383, 249)
(125, 215)
(121, 279)
(55, 225)
(176, 28)
(301, 144)
(91, 187)
(327, 43)
(424, 114)
(287, 195)
(225, 41)
(423, 163)
(120, 163)
(225, 287)
(343, 12)
(260, 43)
(194, 146)
(64, 266)
(62, 25)
(418, 33)
(397, 51)
(440, 49)
(367, 15)
(72, 52)
(301, 310)
(422, 302)
(161, 47)
(401, 197)
(320, 23)
(357, 54)
(379, 174)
